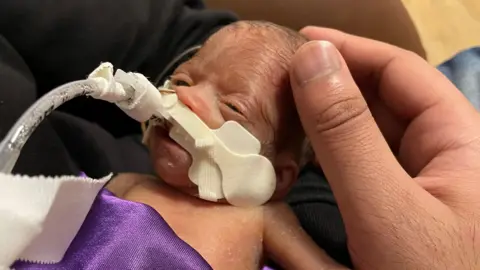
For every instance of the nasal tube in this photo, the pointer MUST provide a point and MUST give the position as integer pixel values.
(18, 135)
(100, 85)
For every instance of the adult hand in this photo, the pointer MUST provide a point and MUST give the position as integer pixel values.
(400, 146)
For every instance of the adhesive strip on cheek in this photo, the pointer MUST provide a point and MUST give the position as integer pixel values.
(238, 139)
(225, 162)
(193, 126)
(248, 180)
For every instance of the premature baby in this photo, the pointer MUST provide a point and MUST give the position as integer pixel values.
(240, 74)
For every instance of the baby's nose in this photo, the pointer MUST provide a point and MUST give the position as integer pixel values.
(203, 103)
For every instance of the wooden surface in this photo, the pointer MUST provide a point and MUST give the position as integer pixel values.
(446, 26)
(385, 20)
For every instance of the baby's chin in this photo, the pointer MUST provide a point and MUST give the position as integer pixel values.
(171, 162)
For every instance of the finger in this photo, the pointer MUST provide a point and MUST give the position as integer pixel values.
(404, 81)
(391, 125)
(412, 91)
(355, 157)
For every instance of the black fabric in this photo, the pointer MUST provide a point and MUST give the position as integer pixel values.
(17, 92)
(62, 41)
(313, 203)
(96, 151)
(17, 88)
(44, 44)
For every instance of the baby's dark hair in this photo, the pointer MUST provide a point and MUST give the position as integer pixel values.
(279, 43)
(292, 40)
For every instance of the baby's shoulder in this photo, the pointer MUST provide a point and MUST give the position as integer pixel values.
(167, 200)
(223, 234)
(121, 184)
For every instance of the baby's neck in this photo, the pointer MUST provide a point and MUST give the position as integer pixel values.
(227, 237)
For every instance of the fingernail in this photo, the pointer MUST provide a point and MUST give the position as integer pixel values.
(314, 60)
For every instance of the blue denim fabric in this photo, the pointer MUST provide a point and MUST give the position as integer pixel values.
(464, 71)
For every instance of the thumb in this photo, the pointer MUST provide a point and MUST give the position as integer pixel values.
(347, 142)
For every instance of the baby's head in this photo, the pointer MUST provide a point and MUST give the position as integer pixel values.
(240, 74)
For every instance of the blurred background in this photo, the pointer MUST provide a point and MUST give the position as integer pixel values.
(445, 26)
(435, 29)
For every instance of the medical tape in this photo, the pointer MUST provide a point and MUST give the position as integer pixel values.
(226, 162)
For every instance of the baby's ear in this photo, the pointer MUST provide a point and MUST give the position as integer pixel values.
(286, 169)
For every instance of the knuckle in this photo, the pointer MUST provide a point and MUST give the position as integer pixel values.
(342, 112)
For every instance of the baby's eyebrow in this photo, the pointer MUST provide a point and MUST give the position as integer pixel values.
(195, 61)
(190, 67)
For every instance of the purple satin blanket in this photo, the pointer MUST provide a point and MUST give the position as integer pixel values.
(119, 234)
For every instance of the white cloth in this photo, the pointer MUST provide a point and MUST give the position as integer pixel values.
(40, 216)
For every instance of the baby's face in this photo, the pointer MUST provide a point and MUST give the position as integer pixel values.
(234, 78)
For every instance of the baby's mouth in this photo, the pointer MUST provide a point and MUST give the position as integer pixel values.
(161, 124)
(161, 128)
(171, 160)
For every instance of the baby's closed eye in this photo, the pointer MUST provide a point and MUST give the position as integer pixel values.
(180, 82)
(233, 107)
(176, 81)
